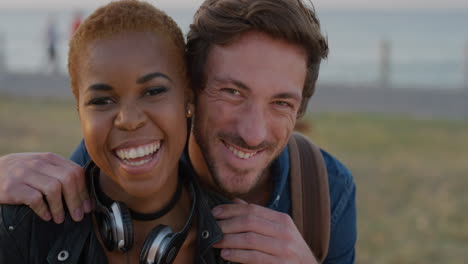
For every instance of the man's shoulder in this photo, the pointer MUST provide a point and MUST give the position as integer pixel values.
(338, 174)
(80, 155)
(341, 187)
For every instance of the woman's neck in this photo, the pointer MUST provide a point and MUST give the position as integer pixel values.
(176, 218)
(147, 203)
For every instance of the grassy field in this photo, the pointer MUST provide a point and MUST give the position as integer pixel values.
(411, 175)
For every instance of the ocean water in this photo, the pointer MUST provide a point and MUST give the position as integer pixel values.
(428, 48)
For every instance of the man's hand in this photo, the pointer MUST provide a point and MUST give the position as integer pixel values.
(255, 234)
(39, 179)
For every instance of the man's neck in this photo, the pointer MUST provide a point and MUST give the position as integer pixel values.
(197, 159)
(260, 195)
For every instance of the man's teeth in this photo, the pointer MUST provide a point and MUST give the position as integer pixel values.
(241, 154)
(138, 152)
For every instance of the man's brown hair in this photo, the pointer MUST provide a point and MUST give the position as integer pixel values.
(118, 17)
(221, 22)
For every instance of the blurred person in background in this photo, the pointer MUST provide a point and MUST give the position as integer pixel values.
(51, 41)
(76, 21)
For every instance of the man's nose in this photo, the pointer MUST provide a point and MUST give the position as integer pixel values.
(252, 125)
(130, 117)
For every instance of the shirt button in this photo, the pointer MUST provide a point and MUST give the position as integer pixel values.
(11, 228)
(63, 255)
(205, 234)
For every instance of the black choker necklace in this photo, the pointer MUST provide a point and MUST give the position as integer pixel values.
(106, 200)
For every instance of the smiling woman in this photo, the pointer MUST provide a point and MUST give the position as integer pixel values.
(128, 75)
(129, 100)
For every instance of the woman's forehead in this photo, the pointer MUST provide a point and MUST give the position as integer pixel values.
(134, 48)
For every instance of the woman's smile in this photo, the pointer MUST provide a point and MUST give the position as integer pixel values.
(138, 159)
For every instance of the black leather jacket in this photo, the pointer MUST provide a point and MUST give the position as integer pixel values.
(25, 238)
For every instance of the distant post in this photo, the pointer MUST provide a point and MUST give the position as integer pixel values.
(465, 68)
(385, 54)
(3, 68)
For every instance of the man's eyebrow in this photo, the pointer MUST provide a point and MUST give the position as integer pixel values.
(294, 96)
(237, 83)
(151, 76)
(100, 87)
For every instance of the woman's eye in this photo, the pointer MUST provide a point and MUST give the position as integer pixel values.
(100, 101)
(155, 91)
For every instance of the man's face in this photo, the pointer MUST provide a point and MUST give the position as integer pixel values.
(247, 110)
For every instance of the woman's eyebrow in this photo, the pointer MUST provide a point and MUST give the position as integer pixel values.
(151, 76)
(100, 87)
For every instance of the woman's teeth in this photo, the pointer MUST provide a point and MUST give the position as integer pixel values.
(138, 152)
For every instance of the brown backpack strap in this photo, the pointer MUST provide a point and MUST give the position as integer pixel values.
(310, 194)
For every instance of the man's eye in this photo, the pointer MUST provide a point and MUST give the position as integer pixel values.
(231, 91)
(155, 91)
(100, 101)
(284, 104)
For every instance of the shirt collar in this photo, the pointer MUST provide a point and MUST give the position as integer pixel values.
(279, 172)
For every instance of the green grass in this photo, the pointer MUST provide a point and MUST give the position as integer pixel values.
(411, 175)
(38, 126)
(412, 180)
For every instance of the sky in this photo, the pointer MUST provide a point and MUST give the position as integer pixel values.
(319, 4)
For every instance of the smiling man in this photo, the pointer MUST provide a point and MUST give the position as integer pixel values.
(253, 65)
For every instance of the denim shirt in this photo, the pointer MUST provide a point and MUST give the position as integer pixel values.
(343, 231)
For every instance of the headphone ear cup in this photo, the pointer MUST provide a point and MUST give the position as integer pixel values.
(156, 244)
(106, 227)
(127, 226)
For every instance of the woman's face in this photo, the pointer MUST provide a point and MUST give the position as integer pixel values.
(131, 108)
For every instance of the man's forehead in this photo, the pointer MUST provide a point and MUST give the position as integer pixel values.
(258, 61)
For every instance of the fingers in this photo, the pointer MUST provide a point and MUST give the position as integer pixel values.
(33, 198)
(39, 179)
(227, 211)
(256, 234)
(248, 256)
(251, 241)
(74, 186)
(50, 189)
(251, 223)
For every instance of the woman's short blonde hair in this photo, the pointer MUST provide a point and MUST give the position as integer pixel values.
(118, 17)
